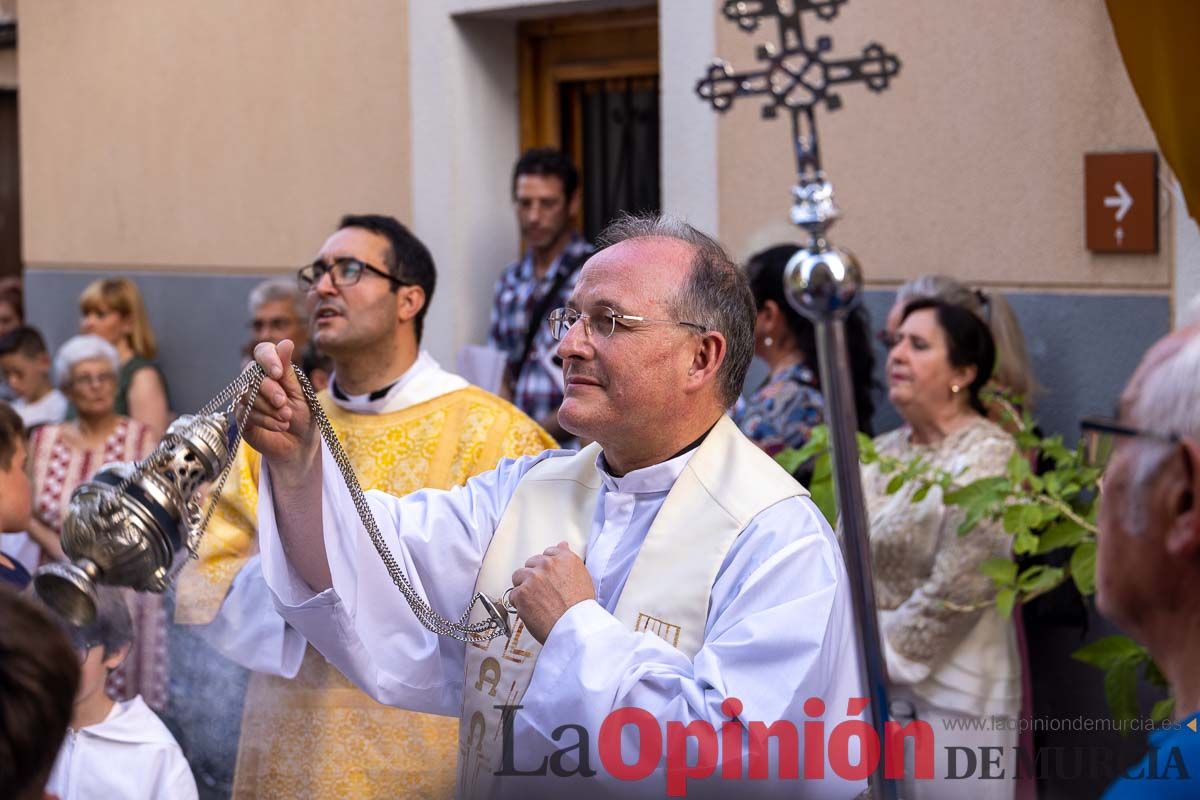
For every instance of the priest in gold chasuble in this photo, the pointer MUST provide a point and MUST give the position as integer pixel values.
(307, 732)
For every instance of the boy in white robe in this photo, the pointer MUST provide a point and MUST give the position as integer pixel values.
(115, 749)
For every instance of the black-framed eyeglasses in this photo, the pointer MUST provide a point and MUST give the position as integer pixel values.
(1100, 436)
(602, 321)
(343, 272)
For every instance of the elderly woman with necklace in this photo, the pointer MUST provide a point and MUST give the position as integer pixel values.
(65, 455)
(951, 656)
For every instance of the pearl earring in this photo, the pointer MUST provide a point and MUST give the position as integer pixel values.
(955, 388)
(768, 341)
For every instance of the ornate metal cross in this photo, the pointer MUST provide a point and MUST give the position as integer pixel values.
(796, 77)
(820, 281)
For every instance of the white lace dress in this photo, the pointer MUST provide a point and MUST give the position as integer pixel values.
(946, 662)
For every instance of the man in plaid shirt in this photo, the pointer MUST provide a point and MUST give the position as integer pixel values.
(545, 189)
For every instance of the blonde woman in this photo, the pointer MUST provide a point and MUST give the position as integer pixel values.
(112, 309)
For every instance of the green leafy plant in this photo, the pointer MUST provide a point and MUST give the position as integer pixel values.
(1054, 512)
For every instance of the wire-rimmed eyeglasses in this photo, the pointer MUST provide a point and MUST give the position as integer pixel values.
(1100, 436)
(343, 272)
(602, 321)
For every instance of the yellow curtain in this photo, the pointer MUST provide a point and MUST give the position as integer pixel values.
(1160, 42)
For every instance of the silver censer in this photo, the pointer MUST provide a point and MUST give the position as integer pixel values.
(136, 524)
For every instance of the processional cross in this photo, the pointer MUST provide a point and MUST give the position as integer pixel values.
(796, 78)
(821, 281)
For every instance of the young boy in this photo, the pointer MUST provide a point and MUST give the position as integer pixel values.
(39, 675)
(26, 365)
(115, 749)
(16, 495)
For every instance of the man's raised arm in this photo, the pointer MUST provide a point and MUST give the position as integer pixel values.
(280, 427)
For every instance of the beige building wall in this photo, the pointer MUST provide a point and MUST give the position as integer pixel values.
(208, 136)
(971, 163)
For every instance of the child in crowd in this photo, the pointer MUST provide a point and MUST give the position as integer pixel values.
(115, 749)
(26, 365)
(16, 495)
(39, 675)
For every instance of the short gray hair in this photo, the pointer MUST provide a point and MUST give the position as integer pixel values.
(1167, 402)
(275, 289)
(85, 347)
(716, 294)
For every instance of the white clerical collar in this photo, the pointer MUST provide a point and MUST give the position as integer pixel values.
(421, 382)
(654, 478)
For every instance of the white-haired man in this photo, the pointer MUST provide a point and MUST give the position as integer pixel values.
(278, 311)
(1148, 558)
(671, 567)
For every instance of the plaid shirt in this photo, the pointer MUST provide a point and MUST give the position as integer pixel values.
(517, 293)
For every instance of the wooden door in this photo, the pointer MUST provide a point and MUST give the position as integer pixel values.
(589, 85)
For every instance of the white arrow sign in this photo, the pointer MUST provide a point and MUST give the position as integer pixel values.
(1122, 201)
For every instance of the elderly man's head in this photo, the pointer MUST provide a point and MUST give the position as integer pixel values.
(1149, 544)
(640, 382)
(278, 312)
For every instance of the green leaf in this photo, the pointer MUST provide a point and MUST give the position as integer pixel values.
(1083, 567)
(1005, 599)
(1053, 448)
(789, 459)
(1027, 440)
(825, 499)
(1018, 468)
(971, 520)
(1064, 533)
(1163, 710)
(1106, 652)
(1001, 570)
(1153, 675)
(981, 491)
(1025, 544)
(920, 493)
(1120, 689)
(866, 447)
(817, 444)
(823, 468)
(1039, 578)
(1022, 518)
(895, 483)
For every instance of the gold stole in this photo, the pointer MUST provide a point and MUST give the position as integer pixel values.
(726, 483)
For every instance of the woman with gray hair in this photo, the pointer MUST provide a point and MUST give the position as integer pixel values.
(67, 454)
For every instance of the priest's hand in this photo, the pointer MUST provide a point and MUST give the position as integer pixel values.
(548, 585)
(279, 424)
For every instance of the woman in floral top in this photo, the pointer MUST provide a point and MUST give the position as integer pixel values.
(783, 411)
(65, 455)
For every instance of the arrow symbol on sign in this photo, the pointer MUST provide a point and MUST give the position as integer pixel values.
(1122, 201)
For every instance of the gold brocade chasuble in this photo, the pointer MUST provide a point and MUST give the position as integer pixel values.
(319, 736)
(725, 484)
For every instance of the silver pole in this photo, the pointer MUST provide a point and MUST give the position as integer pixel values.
(822, 283)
